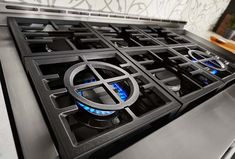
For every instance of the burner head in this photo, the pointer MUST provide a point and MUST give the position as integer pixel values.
(175, 84)
(213, 63)
(99, 122)
(121, 92)
(98, 94)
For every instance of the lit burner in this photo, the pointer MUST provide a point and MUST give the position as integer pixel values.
(215, 66)
(98, 112)
(213, 71)
(120, 91)
(193, 60)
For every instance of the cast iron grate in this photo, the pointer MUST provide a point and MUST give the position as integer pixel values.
(35, 37)
(98, 82)
(170, 40)
(91, 99)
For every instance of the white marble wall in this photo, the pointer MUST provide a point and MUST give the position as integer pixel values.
(201, 15)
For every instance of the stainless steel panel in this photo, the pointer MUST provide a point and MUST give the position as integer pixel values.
(206, 132)
(7, 145)
(33, 133)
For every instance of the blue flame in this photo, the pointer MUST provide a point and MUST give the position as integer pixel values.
(120, 91)
(193, 60)
(214, 72)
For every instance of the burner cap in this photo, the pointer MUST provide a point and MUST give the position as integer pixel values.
(98, 122)
(93, 66)
(210, 61)
(174, 85)
(97, 112)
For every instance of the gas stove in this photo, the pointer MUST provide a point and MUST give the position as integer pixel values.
(100, 84)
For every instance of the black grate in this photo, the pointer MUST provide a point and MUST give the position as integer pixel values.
(89, 129)
(48, 37)
(123, 36)
(98, 82)
(203, 80)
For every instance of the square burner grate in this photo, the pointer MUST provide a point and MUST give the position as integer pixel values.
(80, 127)
(35, 37)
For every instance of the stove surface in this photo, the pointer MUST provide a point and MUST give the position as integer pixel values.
(99, 83)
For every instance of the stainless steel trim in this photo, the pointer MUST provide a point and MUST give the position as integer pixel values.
(7, 144)
(31, 10)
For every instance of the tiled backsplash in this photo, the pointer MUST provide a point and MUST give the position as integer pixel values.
(201, 15)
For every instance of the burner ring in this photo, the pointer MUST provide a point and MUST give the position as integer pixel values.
(73, 89)
(223, 67)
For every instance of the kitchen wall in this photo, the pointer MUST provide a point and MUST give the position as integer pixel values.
(201, 15)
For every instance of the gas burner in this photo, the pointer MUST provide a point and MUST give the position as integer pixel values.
(121, 92)
(101, 96)
(48, 49)
(175, 84)
(208, 61)
(215, 64)
(99, 122)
